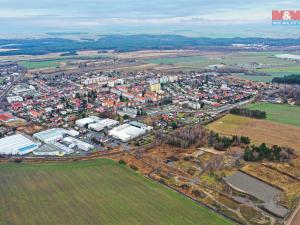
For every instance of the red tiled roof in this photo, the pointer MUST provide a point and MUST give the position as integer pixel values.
(4, 117)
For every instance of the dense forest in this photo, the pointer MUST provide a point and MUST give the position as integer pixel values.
(257, 114)
(290, 79)
(129, 43)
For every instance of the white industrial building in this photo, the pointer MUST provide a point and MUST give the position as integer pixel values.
(88, 120)
(14, 99)
(51, 135)
(127, 132)
(73, 142)
(84, 121)
(17, 145)
(73, 133)
(102, 124)
(23, 88)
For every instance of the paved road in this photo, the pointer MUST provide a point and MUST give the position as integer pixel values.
(294, 218)
(229, 107)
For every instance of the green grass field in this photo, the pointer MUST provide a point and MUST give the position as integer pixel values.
(92, 192)
(40, 64)
(281, 113)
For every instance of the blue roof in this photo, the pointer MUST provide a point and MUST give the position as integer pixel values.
(23, 149)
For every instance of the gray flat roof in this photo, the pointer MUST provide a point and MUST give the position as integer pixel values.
(252, 186)
(261, 190)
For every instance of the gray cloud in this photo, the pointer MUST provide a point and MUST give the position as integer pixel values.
(43, 15)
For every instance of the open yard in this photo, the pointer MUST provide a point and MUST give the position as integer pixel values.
(92, 192)
(259, 131)
(281, 113)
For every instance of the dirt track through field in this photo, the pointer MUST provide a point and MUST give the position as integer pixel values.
(295, 218)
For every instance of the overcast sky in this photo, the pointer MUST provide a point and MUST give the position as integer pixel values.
(122, 15)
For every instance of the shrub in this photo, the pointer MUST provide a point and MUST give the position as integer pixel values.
(198, 193)
(122, 162)
(245, 140)
(134, 167)
(185, 187)
(18, 160)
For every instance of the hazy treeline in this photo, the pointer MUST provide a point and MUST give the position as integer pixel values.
(290, 79)
(130, 43)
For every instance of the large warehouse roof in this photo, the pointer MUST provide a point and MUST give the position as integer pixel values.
(102, 124)
(17, 145)
(50, 135)
(127, 132)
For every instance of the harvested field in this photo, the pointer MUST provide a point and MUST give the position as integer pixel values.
(259, 131)
(92, 192)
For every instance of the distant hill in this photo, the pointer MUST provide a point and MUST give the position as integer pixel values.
(129, 43)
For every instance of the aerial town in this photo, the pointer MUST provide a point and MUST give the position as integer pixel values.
(203, 133)
(160, 112)
(78, 114)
